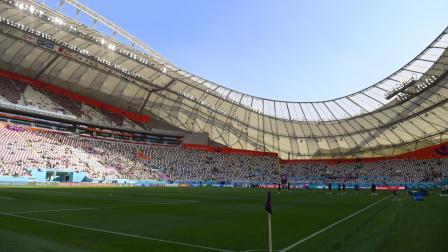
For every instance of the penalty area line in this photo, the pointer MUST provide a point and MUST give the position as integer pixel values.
(332, 225)
(118, 233)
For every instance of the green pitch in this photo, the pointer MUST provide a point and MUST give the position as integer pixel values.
(216, 219)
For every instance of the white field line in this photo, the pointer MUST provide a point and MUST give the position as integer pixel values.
(332, 225)
(98, 208)
(119, 233)
(6, 198)
(59, 210)
(255, 250)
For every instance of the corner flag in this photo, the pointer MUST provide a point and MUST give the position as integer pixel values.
(268, 208)
(268, 205)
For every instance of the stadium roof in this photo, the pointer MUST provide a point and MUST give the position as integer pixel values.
(403, 112)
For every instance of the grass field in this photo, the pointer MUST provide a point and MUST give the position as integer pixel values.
(216, 219)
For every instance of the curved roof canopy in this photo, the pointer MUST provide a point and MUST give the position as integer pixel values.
(404, 111)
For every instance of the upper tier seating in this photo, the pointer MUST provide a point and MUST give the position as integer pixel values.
(68, 104)
(10, 90)
(18, 93)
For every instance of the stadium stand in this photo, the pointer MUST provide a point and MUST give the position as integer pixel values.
(388, 171)
(10, 90)
(69, 106)
(18, 93)
(97, 109)
(23, 148)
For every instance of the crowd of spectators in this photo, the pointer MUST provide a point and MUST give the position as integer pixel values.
(193, 165)
(22, 149)
(387, 171)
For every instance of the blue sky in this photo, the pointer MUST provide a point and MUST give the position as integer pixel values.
(301, 50)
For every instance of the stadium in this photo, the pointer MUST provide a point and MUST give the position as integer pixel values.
(105, 145)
